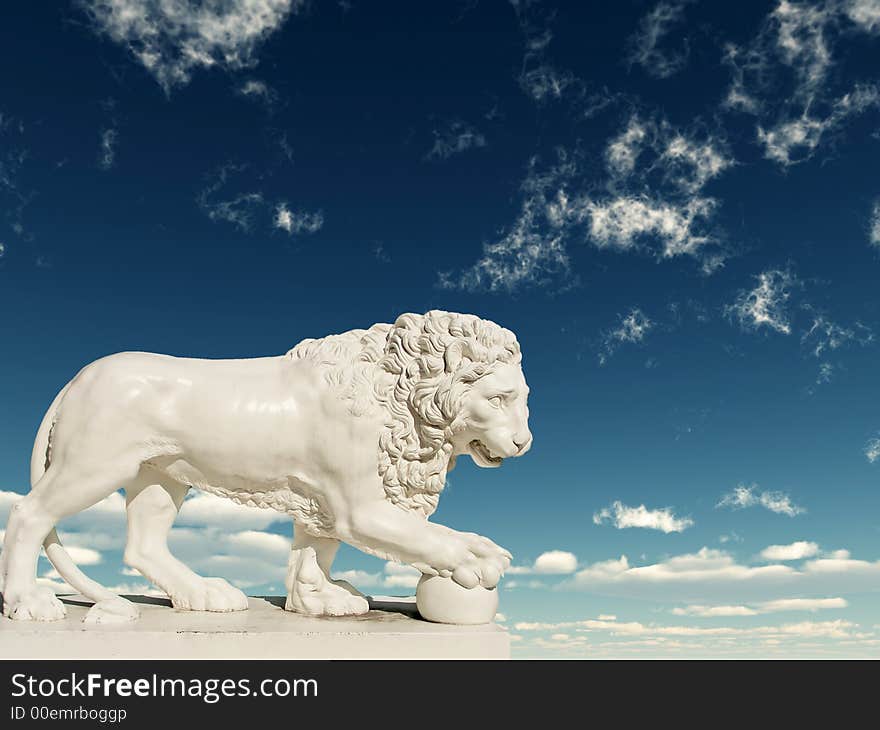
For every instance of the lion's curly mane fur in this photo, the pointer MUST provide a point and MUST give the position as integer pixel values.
(417, 370)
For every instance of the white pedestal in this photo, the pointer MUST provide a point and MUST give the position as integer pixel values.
(391, 630)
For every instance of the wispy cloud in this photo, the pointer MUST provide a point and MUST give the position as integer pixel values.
(674, 167)
(13, 157)
(795, 140)
(743, 496)
(539, 78)
(172, 38)
(221, 202)
(453, 138)
(533, 249)
(297, 222)
(621, 516)
(652, 202)
(874, 231)
(107, 154)
(632, 328)
(766, 304)
(258, 90)
(824, 335)
(872, 450)
(783, 76)
(654, 27)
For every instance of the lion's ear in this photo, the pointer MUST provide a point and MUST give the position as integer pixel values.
(453, 356)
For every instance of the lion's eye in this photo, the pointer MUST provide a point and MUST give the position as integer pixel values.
(496, 401)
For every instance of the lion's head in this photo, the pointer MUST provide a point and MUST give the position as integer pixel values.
(449, 384)
(452, 384)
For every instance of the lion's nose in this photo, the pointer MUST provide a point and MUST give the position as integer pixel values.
(523, 445)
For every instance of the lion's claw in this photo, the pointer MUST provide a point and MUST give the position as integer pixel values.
(480, 562)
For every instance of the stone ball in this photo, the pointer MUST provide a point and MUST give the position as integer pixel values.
(444, 601)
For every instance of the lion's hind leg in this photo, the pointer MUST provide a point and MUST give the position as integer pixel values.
(310, 589)
(152, 506)
(58, 494)
(23, 600)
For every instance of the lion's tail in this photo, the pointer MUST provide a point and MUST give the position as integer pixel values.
(58, 556)
(70, 572)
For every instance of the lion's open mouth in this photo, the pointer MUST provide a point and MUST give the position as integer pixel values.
(481, 454)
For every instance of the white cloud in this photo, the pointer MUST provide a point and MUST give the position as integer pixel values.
(777, 606)
(801, 39)
(536, 585)
(297, 222)
(454, 138)
(864, 13)
(794, 551)
(84, 556)
(246, 558)
(401, 576)
(693, 164)
(732, 537)
(359, 577)
(207, 510)
(214, 538)
(621, 222)
(714, 577)
(552, 562)
(622, 517)
(678, 166)
(258, 544)
(172, 38)
(705, 566)
(623, 151)
(802, 604)
(875, 225)
(872, 450)
(765, 305)
(107, 156)
(743, 496)
(826, 629)
(653, 28)
(714, 611)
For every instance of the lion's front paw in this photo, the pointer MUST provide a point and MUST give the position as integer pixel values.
(480, 561)
(209, 594)
(38, 604)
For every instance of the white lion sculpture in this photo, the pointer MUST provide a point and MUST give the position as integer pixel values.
(351, 434)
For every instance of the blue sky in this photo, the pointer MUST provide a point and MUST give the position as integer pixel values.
(674, 205)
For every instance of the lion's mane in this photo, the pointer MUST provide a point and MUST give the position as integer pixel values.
(417, 370)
